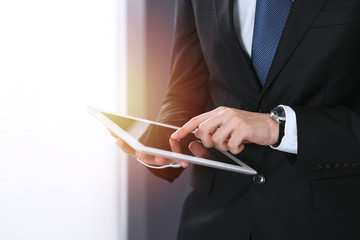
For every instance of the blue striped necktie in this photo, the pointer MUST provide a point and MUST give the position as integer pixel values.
(270, 19)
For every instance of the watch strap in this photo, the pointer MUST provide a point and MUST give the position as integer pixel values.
(281, 133)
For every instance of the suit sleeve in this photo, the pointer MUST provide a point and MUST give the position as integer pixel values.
(328, 137)
(188, 93)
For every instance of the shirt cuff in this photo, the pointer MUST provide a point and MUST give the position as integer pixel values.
(173, 165)
(289, 143)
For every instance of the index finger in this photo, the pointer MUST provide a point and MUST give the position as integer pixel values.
(187, 128)
(194, 123)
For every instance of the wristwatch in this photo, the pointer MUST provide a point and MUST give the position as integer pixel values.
(278, 114)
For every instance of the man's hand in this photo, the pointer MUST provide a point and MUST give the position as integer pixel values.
(148, 159)
(229, 129)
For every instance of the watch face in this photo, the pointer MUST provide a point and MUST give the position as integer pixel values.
(279, 113)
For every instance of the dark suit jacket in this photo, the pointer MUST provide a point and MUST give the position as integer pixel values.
(312, 195)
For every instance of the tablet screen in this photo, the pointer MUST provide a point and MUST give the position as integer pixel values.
(156, 136)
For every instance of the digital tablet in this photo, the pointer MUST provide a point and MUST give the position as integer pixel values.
(153, 138)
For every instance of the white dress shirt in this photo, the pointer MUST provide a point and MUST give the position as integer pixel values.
(244, 21)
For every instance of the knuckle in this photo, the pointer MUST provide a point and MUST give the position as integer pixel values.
(202, 127)
(223, 147)
(233, 148)
(238, 149)
(208, 144)
(229, 111)
(215, 139)
(246, 124)
(248, 134)
(233, 145)
(237, 118)
(243, 127)
(235, 121)
(197, 134)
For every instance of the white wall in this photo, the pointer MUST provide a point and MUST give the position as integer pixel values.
(58, 165)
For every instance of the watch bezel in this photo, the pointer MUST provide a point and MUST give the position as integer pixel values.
(278, 114)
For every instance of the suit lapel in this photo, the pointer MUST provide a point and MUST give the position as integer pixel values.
(302, 15)
(223, 11)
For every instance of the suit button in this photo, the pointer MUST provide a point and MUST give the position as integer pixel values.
(259, 179)
(319, 166)
(346, 165)
(328, 165)
(337, 165)
(354, 165)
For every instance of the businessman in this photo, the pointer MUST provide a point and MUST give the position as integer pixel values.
(277, 83)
